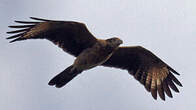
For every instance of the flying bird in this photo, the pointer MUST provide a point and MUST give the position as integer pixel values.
(74, 38)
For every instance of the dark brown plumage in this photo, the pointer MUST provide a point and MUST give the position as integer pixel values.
(77, 35)
(147, 68)
(74, 38)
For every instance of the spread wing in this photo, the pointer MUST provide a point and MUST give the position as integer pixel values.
(72, 37)
(147, 68)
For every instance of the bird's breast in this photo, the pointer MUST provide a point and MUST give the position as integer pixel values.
(92, 57)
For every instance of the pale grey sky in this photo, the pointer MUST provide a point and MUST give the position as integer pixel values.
(167, 28)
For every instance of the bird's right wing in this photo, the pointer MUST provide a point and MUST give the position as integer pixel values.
(148, 69)
(72, 37)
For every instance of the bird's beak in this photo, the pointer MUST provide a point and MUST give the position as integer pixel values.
(120, 41)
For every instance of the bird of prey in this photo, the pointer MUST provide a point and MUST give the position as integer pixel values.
(74, 38)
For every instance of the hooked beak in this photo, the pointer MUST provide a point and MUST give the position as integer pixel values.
(120, 41)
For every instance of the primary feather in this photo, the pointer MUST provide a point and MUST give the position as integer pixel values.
(147, 68)
(72, 37)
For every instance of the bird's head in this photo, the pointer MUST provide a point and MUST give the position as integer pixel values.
(114, 42)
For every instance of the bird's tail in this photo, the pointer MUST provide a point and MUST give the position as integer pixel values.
(64, 77)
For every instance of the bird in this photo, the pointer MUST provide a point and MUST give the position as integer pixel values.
(74, 38)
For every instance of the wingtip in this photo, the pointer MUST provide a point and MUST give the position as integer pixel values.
(174, 71)
(9, 32)
(177, 73)
(154, 94)
(147, 87)
(8, 38)
(10, 26)
(50, 83)
(26, 22)
(17, 31)
(15, 36)
(163, 99)
(16, 21)
(31, 17)
(39, 19)
(180, 84)
(155, 98)
(17, 39)
(174, 79)
(177, 91)
(58, 86)
(22, 26)
(11, 41)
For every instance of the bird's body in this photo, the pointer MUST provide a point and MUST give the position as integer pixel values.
(91, 57)
(75, 39)
(94, 56)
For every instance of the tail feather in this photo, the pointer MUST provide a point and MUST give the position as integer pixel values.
(64, 77)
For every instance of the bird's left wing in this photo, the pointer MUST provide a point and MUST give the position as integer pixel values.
(72, 37)
(147, 68)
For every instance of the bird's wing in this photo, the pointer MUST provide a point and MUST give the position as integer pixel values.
(147, 68)
(72, 37)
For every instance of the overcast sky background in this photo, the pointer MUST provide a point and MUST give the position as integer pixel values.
(166, 27)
